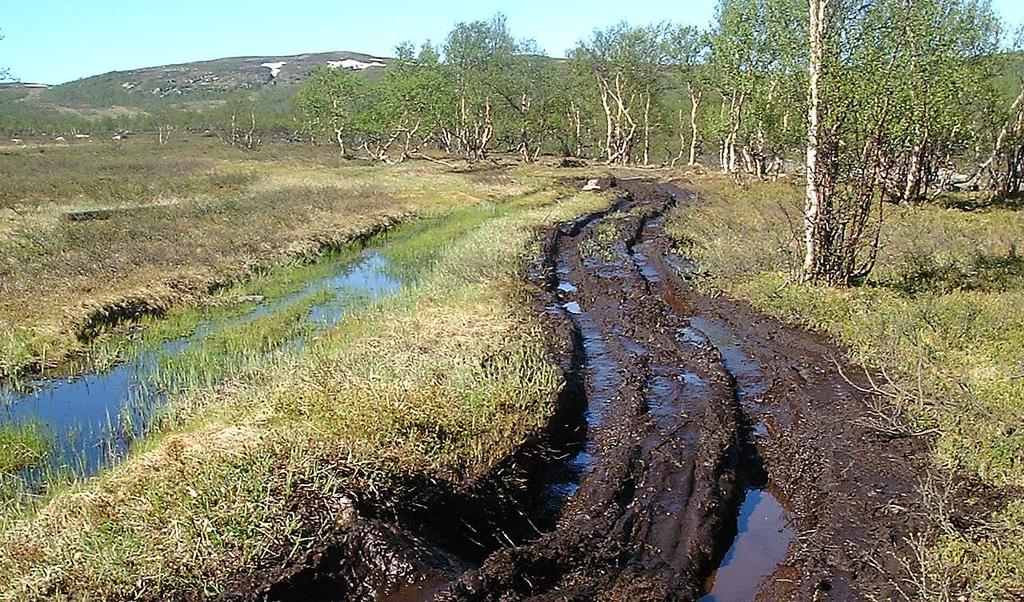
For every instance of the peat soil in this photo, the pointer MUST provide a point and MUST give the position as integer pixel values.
(699, 450)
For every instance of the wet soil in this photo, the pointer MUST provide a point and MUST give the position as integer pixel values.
(700, 450)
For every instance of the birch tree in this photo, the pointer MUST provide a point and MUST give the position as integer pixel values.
(1002, 170)
(626, 64)
(687, 52)
(758, 67)
(328, 103)
(575, 112)
(528, 88)
(815, 198)
(945, 55)
(849, 127)
(412, 102)
(477, 54)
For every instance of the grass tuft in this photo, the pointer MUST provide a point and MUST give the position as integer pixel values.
(23, 445)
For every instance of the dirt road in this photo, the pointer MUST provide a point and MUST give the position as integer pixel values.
(700, 449)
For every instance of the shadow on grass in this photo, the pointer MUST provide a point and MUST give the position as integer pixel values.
(984, 273)
(981, 202)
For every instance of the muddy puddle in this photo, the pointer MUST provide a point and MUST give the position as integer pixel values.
(762, 539)
(601, 374)
(93, 418)
(763, 534)
(750, 380)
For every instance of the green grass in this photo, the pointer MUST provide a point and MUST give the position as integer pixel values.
(236, 346)
(943, 313)
(412, 249)
(441, 379)
(601, 245)
(195, 218)
(221, 307)
(22, 446)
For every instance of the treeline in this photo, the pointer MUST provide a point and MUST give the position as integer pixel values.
(922, 75)
(21, 119)
(920, 90)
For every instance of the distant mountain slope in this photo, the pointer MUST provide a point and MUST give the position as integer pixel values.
(21, 90)
(188, 85)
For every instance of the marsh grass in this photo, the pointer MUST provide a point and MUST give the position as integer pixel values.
(195, 220)
(93, 175)
(422, 241)
(440, 379)
(228, 350)
(223, 306)
(943, 313)
(22, 445)
(196, 348)
(601, 245)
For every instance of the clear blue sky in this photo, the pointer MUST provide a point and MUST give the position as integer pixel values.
(54, 41)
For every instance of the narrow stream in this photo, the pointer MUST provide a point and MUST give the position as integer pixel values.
(93, 418)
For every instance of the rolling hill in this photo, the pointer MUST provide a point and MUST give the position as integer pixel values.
(186, 86)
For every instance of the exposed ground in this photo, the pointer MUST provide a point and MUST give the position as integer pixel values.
(677, 407)
(943, 316)
(695, 400)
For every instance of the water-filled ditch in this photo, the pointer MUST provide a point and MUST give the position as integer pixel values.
(92, 418)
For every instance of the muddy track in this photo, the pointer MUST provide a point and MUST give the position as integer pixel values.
(698, 446)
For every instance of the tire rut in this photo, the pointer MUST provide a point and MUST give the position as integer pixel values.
(657, 506)
(681, 414)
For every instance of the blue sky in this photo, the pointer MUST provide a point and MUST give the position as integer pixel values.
(54, 41)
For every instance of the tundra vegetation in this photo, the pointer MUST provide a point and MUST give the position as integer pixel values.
(870, 157)
(210, 215)
(415, 399)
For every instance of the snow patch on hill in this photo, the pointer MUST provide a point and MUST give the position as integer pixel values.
(275, 68)
(354, 64)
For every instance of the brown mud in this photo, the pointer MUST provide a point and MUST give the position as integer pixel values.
(699, 451)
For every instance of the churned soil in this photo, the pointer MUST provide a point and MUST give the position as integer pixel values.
(681, 413)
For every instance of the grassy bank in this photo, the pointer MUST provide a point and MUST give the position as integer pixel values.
(943, 313)
(440, 379)
(181, 220)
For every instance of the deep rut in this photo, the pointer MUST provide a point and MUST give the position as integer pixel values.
(681, 415)
(668, 453)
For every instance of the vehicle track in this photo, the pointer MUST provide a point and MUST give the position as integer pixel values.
(677, 407)
(691, 403)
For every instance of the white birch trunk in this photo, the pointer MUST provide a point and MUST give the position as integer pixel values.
(812, 203)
